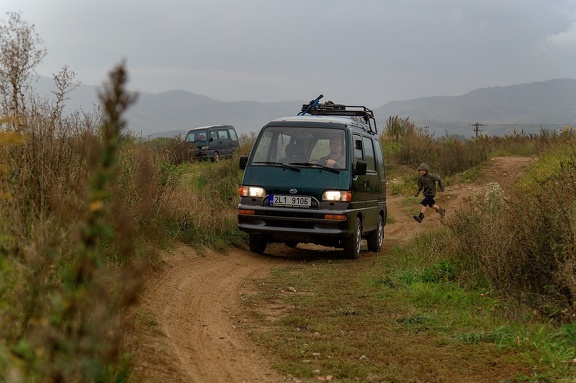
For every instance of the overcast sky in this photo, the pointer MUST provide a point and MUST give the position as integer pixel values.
(359, 52)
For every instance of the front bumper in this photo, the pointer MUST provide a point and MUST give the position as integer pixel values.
(296, 224)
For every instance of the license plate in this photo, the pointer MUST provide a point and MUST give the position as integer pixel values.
(290, 201)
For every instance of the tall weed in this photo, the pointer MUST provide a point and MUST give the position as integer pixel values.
(80, 217)
(547, 238)
(207, 201)
(523, 244)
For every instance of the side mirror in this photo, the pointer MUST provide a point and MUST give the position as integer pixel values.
(360, 168)
(243, 162)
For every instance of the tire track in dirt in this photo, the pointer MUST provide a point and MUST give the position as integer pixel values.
(189, 319)
(195, 303)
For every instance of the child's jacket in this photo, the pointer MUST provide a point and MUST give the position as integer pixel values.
(428, 183)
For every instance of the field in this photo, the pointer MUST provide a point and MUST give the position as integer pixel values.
(306, 315)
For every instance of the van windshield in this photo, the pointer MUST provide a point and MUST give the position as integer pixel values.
(302, 146)
(196, 136)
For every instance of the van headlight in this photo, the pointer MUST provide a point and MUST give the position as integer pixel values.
(337, 195)
(251, 191)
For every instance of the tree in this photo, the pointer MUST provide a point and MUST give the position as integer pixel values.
(65, 83)
(21, 51)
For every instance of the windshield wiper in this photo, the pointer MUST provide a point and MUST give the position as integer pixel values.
(282, 165)
(316, 166)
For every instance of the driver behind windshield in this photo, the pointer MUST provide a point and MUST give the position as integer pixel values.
(337, 157)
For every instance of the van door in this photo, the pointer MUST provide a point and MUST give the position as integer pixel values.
(382, 178)
(215, 143)
(359, 182)
(224, 142)
(234, 144)
(371, 184)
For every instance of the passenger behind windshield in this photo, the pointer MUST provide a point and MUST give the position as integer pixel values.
(294, 153)
(337, 157)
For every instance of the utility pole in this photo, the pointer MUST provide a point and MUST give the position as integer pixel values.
(477, 128)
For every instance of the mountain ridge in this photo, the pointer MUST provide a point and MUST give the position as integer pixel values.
(546, 102)
(529, 107)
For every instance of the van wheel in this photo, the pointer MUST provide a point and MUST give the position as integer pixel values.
(215, 157)
(257, 243)
(352, 243)
(375, 238)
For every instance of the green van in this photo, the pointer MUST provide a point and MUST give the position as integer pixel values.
(317, 177)
(213, 142)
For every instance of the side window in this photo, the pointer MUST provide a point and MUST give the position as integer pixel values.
(213, 135)
(358, 152)
(369, 156)
(222, 134)
(233, 135)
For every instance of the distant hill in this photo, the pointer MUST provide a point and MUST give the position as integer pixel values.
(501, 110)
(179, 111)
(529, 107)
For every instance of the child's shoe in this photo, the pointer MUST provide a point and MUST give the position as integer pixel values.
(419, 217)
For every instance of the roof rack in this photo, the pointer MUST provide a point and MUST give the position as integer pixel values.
(329, 108)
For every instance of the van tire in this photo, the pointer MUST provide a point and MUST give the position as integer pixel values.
(375, 238)
(257, 243)
(352, 243)
(215, 157)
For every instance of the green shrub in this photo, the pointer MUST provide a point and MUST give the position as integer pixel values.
(523, 244)
(207, 202)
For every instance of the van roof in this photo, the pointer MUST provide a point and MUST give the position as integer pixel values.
(343, 120)
(358, 113)
(212, 126)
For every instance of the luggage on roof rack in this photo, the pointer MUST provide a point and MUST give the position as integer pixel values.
(329, 108)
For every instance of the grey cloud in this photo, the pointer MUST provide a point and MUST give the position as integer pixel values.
(369, 50)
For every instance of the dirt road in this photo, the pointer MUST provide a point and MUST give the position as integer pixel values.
(190, 312)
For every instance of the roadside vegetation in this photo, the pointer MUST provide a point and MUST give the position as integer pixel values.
(491, 292)
(86, 210)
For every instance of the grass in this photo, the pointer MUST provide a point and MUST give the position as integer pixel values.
(206, 188)
(395, 318)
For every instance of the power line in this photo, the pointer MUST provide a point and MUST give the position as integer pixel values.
(477, 128)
